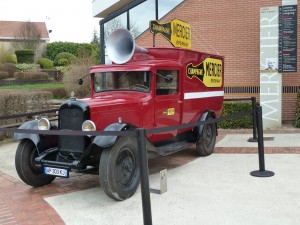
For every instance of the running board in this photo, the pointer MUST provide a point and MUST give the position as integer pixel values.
(173, 147)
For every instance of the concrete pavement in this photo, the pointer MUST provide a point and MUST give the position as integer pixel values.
(214, 190)
(210, 191)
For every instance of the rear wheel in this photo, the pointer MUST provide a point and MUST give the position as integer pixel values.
(25, 166)
(206, 143)
(118, 171)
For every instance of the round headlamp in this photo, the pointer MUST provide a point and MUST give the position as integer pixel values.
(44, 124)
(88, 125)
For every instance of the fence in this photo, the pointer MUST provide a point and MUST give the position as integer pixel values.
(140, 134)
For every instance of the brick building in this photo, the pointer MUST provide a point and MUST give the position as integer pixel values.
(232, 29)
(9, 31)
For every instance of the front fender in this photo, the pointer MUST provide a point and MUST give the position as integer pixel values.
(107, 141)
(41, 142)
(30, 125)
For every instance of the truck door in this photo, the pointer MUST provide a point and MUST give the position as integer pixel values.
(167, 102)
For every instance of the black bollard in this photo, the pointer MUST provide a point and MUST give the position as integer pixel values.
(143, 165)
(254, 123)
(261, 154)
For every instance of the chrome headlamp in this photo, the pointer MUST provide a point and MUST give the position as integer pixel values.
(44, 124)
(88, 125)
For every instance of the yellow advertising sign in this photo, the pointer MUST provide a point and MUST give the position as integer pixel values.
(181, 34)
(209, 72)
(177, 32)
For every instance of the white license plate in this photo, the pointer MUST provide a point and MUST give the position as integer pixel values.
(56, 171)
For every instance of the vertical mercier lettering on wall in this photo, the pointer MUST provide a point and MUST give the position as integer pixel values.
(270, 78)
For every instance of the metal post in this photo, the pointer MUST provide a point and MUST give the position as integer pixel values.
(156, 17)
(254, 123)
(128, 21)
(261, 155)
(143, 165)
(102, 44)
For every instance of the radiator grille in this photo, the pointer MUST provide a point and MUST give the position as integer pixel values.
(71, 119)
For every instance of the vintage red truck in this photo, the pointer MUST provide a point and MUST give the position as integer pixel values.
(149, 88)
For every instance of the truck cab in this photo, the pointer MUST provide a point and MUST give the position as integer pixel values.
(153, 88)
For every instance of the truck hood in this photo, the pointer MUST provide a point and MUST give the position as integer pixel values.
(110, 107)
(111, 99)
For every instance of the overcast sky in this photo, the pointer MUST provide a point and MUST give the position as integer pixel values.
(69, 20)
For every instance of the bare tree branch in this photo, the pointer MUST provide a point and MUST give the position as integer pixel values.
(28, 36)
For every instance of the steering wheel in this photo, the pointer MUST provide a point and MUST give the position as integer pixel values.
(139, 86)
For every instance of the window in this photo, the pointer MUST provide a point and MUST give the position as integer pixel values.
(143, 13)
(166, 82)
(166, 6)
(140, 17)
(114, 24)
(122, 80)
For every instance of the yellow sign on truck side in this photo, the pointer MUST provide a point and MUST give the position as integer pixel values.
(209, 72)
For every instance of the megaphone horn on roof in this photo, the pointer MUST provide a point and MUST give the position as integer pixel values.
(121, 46)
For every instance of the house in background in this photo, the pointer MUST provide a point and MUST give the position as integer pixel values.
(10, 34)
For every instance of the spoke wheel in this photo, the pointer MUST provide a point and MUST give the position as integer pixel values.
(118, 171)
(26, 169)
(206, 143)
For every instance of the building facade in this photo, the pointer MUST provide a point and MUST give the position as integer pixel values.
(10, 31)
(231, 29)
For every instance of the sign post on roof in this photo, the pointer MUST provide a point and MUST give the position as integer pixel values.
(177, 32)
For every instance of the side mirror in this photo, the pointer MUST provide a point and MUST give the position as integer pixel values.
(80, 81)
(169, 79)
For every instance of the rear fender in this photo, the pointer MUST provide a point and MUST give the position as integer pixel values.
(107, 141)
(41, 141)
(203, 117)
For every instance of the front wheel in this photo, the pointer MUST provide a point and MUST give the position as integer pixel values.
(206, 143)
(118, 171)
(25, 166)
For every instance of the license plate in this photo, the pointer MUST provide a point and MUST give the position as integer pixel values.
(56, 171)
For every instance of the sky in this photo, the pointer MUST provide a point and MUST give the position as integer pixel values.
(69, 20)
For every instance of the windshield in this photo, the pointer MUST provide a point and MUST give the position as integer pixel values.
(122, 80)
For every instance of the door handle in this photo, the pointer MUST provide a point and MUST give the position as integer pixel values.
(179, 101)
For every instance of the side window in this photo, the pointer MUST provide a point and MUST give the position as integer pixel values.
(166, 82)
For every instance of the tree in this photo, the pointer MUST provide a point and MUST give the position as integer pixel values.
(28, 36)
(96, 52)
(115, 24)
(96, 39)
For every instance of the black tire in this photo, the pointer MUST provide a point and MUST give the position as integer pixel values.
(118, 171)
(206, 144)
(24, 162)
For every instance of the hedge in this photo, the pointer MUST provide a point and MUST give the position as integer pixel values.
(298, 110)
(58, 93)
(76, 49)
(3, 75)
(230, 108)
(10, 68)
(13, 102)
(25, 56)
(45, 63)
(64, 59)
(31, 76)
(26, 67)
